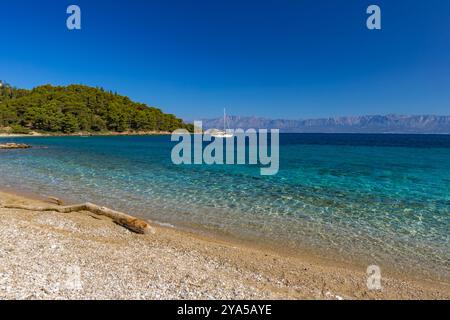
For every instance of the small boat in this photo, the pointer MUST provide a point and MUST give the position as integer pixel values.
(224, 133)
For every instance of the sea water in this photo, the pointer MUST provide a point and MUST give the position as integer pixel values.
(375, 199)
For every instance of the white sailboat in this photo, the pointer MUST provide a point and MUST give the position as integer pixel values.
(224, 133)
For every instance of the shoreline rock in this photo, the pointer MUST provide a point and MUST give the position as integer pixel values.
(14, 146)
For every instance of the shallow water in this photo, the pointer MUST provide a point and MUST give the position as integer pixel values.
(377, 199)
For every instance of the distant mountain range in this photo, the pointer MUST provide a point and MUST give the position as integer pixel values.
(391, 123)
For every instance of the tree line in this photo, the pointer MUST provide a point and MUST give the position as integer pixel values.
(76, 108)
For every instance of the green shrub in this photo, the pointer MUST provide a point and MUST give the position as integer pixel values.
(18, 129)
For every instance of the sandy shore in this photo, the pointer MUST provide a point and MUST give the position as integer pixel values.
(49, 255)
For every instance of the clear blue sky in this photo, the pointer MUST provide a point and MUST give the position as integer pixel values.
(279, 59)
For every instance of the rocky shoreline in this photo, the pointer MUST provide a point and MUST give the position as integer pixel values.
(14, 146)
(85, 134)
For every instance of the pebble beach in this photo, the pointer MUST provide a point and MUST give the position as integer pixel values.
(51, 255)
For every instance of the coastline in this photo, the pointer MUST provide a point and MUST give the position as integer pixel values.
(163, 133)
(37, 247)
(83, 134)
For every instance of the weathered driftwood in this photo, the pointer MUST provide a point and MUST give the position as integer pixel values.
(125, 220)
(14, 146)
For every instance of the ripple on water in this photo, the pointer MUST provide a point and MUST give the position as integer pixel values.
(386, 205)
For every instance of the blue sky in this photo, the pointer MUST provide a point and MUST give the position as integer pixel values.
(278, 59)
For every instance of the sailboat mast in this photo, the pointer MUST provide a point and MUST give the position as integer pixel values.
(224, 120)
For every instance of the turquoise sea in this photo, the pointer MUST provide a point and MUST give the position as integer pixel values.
(375, 199)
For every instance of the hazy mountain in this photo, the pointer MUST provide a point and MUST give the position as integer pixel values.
(358, 124)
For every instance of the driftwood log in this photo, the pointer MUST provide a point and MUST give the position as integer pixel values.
(125, 220)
